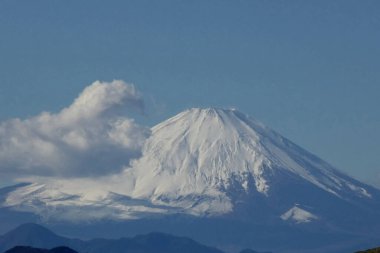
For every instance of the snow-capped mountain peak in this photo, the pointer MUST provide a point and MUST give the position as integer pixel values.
(202, 150)
(203, 162)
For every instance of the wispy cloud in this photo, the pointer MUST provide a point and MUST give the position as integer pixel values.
(91, 137)
(377, 181)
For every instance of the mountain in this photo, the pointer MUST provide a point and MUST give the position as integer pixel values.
(221, 177)
(33, 235)
(204, 161)
(26, 249)
(36, 237)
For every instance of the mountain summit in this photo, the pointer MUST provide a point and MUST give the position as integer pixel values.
(217, 165)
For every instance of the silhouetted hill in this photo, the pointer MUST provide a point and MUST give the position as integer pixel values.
(27, 249)
(376, 250)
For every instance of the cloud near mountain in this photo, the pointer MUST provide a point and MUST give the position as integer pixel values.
(91, 137)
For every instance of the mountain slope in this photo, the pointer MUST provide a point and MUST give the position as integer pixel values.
(198, 159)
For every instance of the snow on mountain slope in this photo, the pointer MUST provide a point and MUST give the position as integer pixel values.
(207, 151)
(193, 163)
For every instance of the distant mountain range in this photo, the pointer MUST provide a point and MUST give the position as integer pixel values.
(36, 236)
(33, 238)
(215, 175)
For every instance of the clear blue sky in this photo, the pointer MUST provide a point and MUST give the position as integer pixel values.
(308, 69)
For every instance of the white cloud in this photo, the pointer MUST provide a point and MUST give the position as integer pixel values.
(91, 137)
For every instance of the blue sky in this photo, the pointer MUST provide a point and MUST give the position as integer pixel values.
(308, 69)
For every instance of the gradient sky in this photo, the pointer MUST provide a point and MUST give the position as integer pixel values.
(308, 69)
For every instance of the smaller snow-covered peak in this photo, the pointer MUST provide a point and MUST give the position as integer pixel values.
(298, 215)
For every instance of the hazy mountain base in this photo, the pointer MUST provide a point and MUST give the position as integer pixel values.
(36, 238)
(207, 231)
(255, 223)
(256, 236)
(248, 227)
